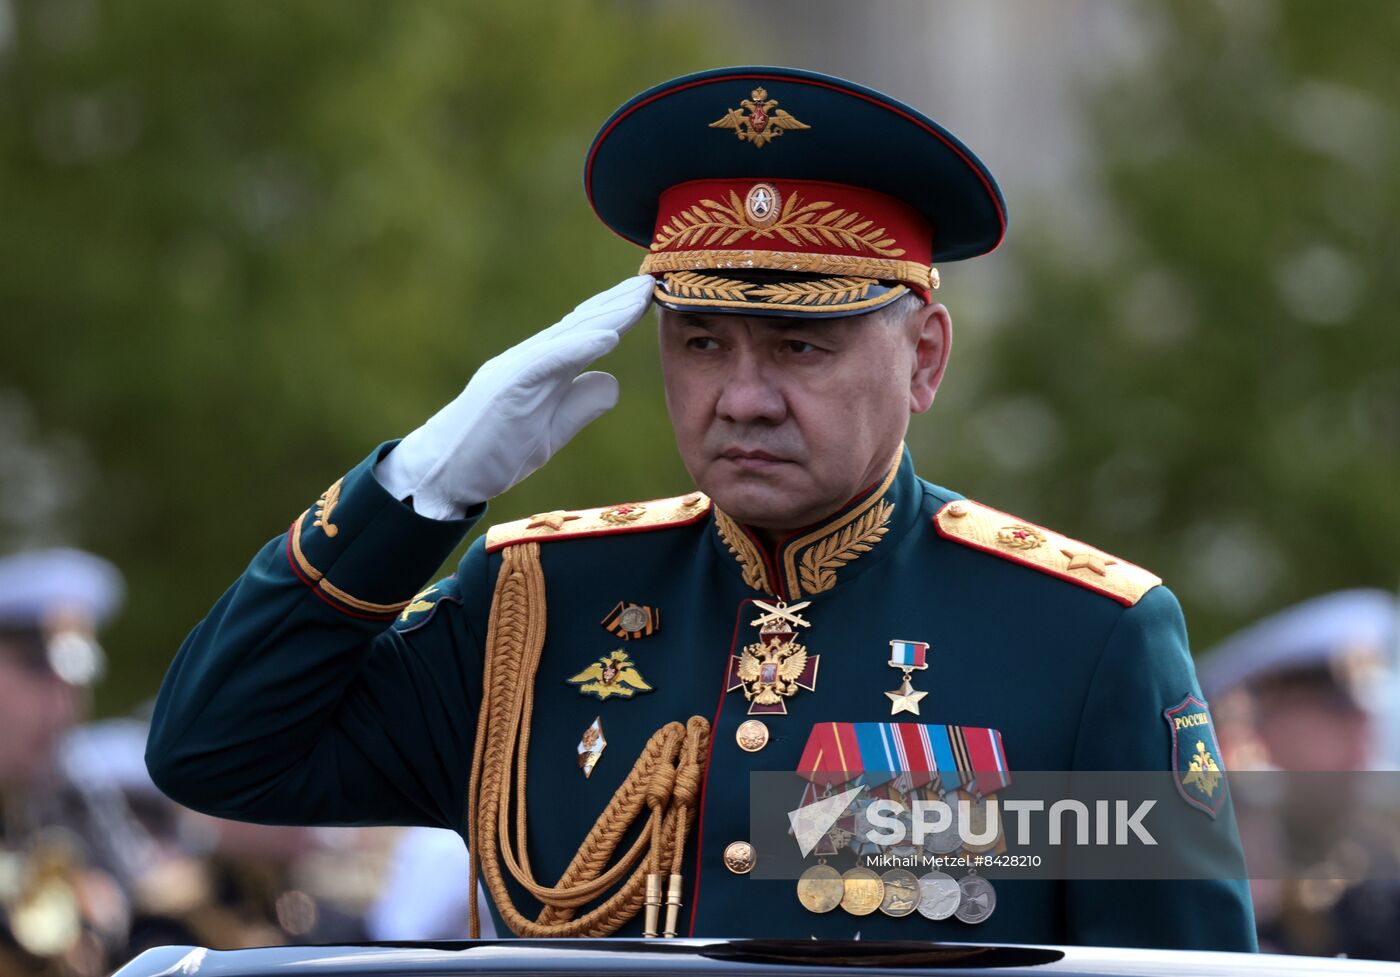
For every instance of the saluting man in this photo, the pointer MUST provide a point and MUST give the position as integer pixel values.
(584, 699)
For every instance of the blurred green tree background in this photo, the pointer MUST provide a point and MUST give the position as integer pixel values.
(1209, 384)
(242, 244)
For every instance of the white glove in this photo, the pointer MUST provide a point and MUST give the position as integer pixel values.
(517, 411)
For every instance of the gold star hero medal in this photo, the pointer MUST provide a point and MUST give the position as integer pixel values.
(771, 670)
(909, 656)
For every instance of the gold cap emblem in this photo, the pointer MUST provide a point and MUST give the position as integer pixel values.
(760, 121)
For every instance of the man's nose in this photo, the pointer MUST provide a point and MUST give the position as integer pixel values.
(751, 394)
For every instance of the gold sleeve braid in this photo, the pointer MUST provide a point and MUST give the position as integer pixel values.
(663, 786)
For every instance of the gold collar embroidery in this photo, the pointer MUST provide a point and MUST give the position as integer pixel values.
(809, 564)
(745, 551)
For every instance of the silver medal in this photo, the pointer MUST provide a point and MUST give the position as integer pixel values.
(632, 618)
(978, 899)
(939, 895)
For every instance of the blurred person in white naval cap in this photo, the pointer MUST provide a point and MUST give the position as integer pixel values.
(58, 912)
(52, 603)
(1308, 688)
(426, 890)
(1311, 692)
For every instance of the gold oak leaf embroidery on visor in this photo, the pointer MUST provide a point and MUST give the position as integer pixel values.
(691, 285)
(818, 223)
(824, 291)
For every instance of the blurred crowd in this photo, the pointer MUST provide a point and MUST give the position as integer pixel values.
(1307, 708)
(96, 865)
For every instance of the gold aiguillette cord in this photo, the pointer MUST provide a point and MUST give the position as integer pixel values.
(663, 785)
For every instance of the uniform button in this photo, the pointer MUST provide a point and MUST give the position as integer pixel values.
(957, 510)
(739, 857)
(751, 735)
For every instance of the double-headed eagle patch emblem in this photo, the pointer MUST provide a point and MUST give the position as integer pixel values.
(1202, 770)
(760, 121)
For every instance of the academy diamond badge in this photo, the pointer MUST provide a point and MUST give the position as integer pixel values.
(1196, 764)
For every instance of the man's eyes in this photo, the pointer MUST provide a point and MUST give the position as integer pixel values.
(799, 347)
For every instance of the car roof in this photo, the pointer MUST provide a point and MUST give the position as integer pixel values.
(723, 958)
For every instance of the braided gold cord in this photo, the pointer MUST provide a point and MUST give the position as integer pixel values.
(664, 783)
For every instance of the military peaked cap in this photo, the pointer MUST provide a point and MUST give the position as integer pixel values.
(774, 191)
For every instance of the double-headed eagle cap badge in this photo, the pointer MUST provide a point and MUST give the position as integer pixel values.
(761, 123)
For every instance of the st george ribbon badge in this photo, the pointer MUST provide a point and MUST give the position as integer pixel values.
(909, 656)
(629, 621)
(772, 669)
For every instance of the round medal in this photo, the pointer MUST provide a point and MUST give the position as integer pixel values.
(632, 618)
(863, 891)
(939, 895)
(739, 857)
(978, 899)
(751, 735)
(901, 892)
(820, 889)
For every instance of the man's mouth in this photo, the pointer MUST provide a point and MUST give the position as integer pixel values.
(751, 459)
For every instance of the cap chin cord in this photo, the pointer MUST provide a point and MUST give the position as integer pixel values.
(663, 786)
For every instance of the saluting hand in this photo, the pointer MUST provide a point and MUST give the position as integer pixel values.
(517, 411)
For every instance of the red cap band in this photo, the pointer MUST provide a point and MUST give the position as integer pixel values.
(792, 225)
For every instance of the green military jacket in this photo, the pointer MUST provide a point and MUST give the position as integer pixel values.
(323, 687)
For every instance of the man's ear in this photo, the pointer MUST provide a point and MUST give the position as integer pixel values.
(931, 329)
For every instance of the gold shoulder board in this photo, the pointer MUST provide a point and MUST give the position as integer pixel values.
(991, 531)
(627, 517)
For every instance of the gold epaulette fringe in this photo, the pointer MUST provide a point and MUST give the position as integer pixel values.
(663, 786)
(627, 517)
(991, 531)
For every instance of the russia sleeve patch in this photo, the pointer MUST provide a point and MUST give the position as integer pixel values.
(1196, 765)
